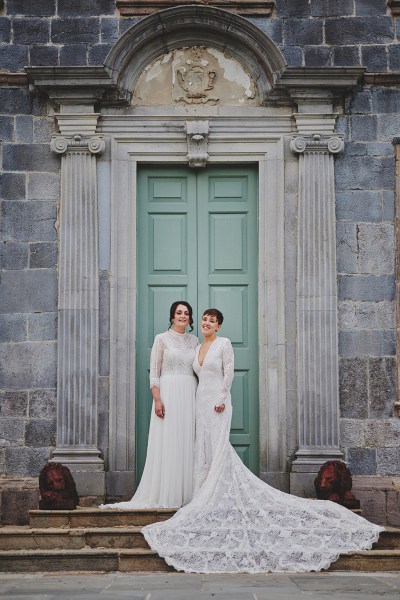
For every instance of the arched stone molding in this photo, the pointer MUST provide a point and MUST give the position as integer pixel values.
(190, 26)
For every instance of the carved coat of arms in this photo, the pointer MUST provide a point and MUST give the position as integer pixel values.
(194, 77)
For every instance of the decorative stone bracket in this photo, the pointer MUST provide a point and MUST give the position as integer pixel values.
(197, 141)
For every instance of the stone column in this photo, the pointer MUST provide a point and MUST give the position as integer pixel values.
(317, 345)
(78, 304)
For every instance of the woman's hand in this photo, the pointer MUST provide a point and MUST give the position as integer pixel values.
(219, 408)
(159, 408)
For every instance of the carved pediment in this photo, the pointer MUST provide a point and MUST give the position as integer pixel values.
(134, 8)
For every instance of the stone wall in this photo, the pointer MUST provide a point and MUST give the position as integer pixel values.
(309, 33)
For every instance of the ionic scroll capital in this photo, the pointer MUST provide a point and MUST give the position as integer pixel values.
(332, 144)
(60, 144)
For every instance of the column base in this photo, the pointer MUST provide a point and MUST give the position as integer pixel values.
(120, 483)
(306, 466)
(277, 480)
(86, 466)
(302, 484)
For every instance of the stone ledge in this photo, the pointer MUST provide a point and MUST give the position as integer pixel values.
(13, 79)
(384, 79)
(394, 6)
(138, 8)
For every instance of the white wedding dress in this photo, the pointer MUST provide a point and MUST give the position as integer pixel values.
(236, 523)
(167, 480)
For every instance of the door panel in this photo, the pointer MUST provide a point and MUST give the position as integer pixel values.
(197, 241)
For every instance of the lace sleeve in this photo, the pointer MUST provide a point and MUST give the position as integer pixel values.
(156, 358)
(228, 370)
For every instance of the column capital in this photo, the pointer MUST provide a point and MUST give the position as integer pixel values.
(60, 144)
(331, 144)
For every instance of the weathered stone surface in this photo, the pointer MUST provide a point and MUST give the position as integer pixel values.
(14, 100)
(42, 256)
(14, 58)
(28, 364)
(43, 186)
(366, 343)
(383, 432)
(104, 357)
(388, 128)
(362, 461)
(12, 185)
(43, 403)
(393, 508)
(358, 205)
(355, 149)
(379, 149)
(378, 29)
(43, 128)
(42, 326)
(26, 461)
(363, 127)
(31, 31)
(373, 173)
(24, 128)
(12, 431)
(293, 8)
(385, 100)
(73, 54)
(374, 57)
(375, 248)
(5, 30)
(382, 388)
(355, 316)
(98, 53)
(22, 291)
(13, 403)
(104, 301)
(325, 8)
(315, 56)
(345, 56)
(373, 505)
(346, 247)
(351, 433)
(370, 7)
(91, 7)
(388, 461)
(366, 287)
(353, 388)
(75, 30)
(103, 394)
(109, 30)
(29, 221)
(14, 255)
(293, 55)
(388, 206)
(394, 57)
(16, 505)
(30, 157)
(6, 128)
(40, 433)
(13, 328)
(44, 8)
(299, 32)
(360, 102)
(44, 56)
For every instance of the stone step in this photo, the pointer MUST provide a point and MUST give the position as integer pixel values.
(24, 538)
(94, 517)
(371, 561)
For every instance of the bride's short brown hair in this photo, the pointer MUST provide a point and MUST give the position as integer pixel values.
(214, 312)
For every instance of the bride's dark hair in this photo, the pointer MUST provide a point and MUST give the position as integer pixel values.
(172, 312)
(214, 312)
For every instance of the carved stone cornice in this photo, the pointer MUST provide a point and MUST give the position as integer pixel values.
(197, 140)
(333, 144)
(394, 6)
(61, 144)
(255, 8)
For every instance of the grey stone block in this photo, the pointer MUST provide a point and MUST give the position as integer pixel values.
(12, 185)
(317, 56)
(6, 128)
(343, 126)
(14, 255)
(370, 7)
(355, 316)
(80, 30)
(375, 248)
(40, 433)
(31, 31)
(29, 221)
(103, 390)
(5, 30)
(389, 461)
(43, 186)
(394, 57)
(293, 55)
(28, 364)
(382, 432)
(103, 429)
(353, 388)
(293, 8)
(272, 27)
(88, 8)
(354, 149)
(24, 128)
(380, 149)
(366, 287)
(378, 30)
(374, 57)
(73, 54)
(388, 206)
(44, 56)
(42, 255)
(40, 8)
(28, 291)
(326, 8)
(14, 100)
(26, 461)
(388, 128)
(13, 328)
(12, 431)
(16, 505)
(346, 247)
(43, 128)
(358, 205)
(43, 403)
(104, 303)
(363, 128)
(13, 57)
(98, 53)
(360, 102)
(365, 172)
(385, 100)
(30, 157)
(127, 23)
(362, 461)
(13, 403)
(351, 433)
(42, 326)
(382, 387)
(109, 30)
(300, 32)
(120, 483)
(346, 56)
(366, 343)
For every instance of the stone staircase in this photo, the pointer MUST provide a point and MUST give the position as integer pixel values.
(88, 539)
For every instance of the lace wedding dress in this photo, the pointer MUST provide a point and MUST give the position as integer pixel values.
(236, 523)
(167, 480)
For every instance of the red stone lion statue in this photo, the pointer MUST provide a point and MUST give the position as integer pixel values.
(57, 488)
(334, 483)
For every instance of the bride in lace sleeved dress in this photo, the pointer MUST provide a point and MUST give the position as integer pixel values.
(236, 523)
(167, 480)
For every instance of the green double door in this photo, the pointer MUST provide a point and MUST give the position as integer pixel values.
(197, 241)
